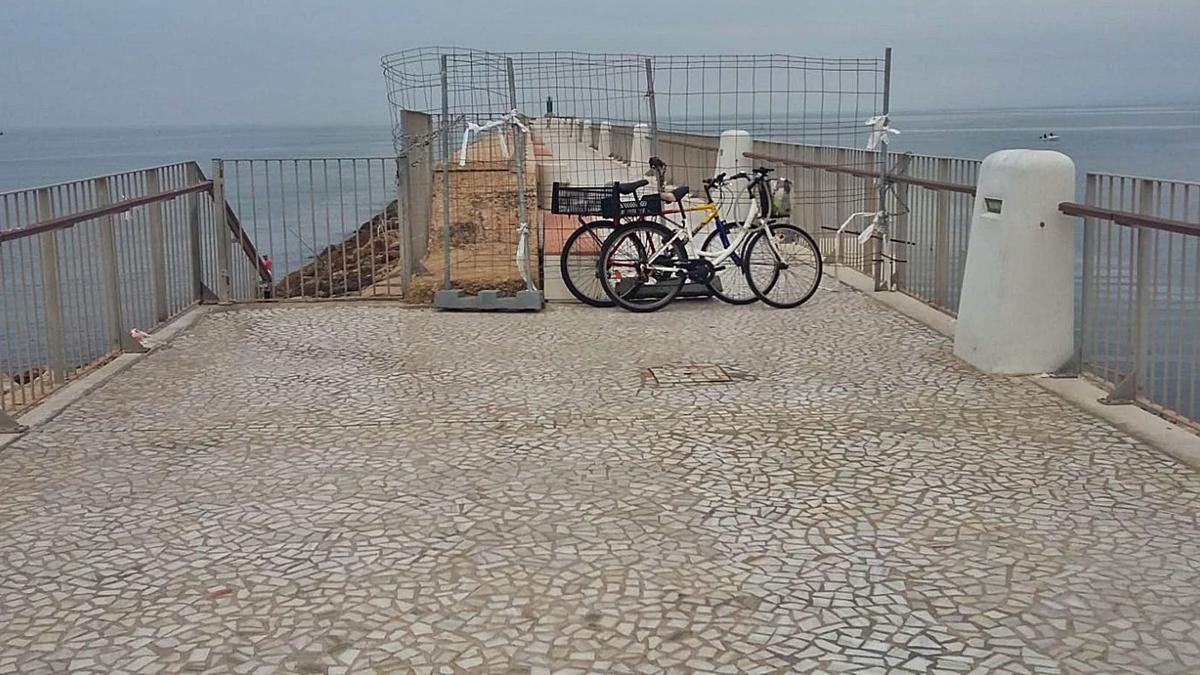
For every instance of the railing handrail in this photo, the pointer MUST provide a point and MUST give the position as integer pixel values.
(144, 169)
(69, 220)
(1172, 181)
(864, 173)
(1130, 219)
(307, 159)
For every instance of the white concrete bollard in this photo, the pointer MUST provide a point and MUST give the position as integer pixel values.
(731, 159)
(1017, 310)
(604, 145)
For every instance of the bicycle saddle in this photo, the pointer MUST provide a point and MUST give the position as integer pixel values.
(629, 188)
(676, 195)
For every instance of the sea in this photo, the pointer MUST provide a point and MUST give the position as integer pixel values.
(1161, 141)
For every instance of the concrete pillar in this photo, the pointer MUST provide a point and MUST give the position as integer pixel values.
(586, 133)
(731, 159)
(639, 152)
(604, 145)
(1017, 309)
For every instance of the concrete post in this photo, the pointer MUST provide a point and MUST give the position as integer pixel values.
(585, 133)
(1016, 315)
(731, 159)
(639, 152)
(604, 145)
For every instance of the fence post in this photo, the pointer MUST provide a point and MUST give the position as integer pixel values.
(884, 248)
(522, 210)
(194, 241)
(445, 174)
(56, 337)
(110, 273)
(158, 256)
(654, 149)
(404, 223)
(221, 234)
(941, 239)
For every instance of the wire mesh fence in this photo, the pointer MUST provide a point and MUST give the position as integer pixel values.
(595, 119)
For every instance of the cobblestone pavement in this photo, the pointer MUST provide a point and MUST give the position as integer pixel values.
(340, 488)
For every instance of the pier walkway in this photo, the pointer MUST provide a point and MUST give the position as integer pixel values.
(355, 487)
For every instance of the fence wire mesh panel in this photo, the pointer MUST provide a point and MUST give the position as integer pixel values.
(467, 182)
(79, 271)
(596, 119)
(327, 228)
(1139, 309)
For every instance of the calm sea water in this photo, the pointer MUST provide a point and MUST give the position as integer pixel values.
(34, 157)
(1158, 141)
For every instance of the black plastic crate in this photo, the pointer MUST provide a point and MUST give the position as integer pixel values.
(606, 202)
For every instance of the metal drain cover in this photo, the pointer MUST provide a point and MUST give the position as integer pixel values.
(695, 373)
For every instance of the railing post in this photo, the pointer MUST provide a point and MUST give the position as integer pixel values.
(8, 425)
(1129, 388)
(404, 222)
(158, 256)
(223, 240)
(900, 263)
(56, 340)
(194, 241)
(110, 273)
(941, 239)
(1088, 272)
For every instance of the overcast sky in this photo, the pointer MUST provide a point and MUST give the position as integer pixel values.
(167, 62)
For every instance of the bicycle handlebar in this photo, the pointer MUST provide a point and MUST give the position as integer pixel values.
(755, 176)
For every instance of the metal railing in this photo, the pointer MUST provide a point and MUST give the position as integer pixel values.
(83, 263)
(930, 208)
(328, 226)
(1139, 302)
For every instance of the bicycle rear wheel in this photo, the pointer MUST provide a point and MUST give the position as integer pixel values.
(783, 265)
(580, 263)
(729, 283)
(640, 267)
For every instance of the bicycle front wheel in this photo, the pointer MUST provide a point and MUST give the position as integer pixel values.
(783, 265)
(641, 267)
(729, 282)
(580, 263)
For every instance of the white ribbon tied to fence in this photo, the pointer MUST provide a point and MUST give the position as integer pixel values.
(880, 131)
(513, 117)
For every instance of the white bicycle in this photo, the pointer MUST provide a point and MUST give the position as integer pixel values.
(644, 264)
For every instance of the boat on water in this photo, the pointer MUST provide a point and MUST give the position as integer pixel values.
(1048, 137)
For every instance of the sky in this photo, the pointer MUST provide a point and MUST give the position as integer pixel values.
(270, 62)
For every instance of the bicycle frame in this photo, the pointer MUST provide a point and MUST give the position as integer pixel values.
(684, 233)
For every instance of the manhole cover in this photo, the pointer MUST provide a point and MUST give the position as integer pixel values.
(696, 373)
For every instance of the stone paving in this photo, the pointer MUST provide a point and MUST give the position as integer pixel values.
(353, 488)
